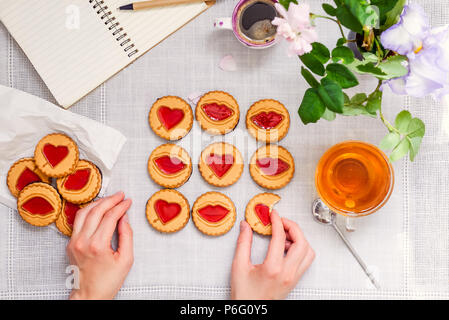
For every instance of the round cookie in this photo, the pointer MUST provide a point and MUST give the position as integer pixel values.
(217, 112)
(65, 220)
(221, 164)
(168, 211)
(169, 166)
(268, 120)
(22, 173)
(272, 167)
(213, 213)
(56, 155)
(39, 204)
(83, 185)
(258, 212)
(171, 118)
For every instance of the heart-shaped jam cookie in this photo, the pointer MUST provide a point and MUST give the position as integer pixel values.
(170, 165)
(263, 212)
(170, 118)
(258, 212)
(22, 173)
(220, 164)
(166, 211)
(66, 219)
(55, 154)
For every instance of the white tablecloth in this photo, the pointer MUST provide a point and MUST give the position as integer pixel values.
(406, 243)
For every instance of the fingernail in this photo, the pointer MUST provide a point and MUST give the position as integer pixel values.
(126, 219)
(242, 225)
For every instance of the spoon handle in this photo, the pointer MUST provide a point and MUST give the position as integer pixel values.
(357, 257)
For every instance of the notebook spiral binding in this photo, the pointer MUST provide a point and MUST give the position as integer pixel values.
(114, 26)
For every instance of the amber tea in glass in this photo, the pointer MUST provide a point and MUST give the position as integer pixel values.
(354, 178)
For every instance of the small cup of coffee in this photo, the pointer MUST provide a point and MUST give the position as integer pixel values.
(251, 23)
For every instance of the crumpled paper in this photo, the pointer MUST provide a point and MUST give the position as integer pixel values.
(25, 119)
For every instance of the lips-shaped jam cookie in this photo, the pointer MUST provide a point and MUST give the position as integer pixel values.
(213, 213)
(169, 166)
(217, 112)
(272, 167)
(171, 118)
(83, 185)
(258, 212)
(39, 204)
(22, 173)
(56, 155)
(221, 164)
(268, 120)
(168, 211)
(65, 220)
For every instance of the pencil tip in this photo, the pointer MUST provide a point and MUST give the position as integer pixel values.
(126, 7)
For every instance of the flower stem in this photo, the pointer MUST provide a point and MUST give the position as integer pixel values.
(331, 19)
(387, 124)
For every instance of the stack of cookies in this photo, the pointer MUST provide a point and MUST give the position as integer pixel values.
(55, 184)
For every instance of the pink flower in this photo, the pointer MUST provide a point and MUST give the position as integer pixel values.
(296, 28)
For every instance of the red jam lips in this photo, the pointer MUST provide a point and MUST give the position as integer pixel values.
(217, 112)
(268, 120)
(213, 213)
(56, 155)
(220, 164)
(171, 118)
(272, 167)
(168, 211)
(77, 180)
(26, 177)
(258, 212)
(38, 205)
(169, 166)
(22, 173)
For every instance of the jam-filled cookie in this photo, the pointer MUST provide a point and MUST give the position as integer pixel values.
(272, 167)
(65, 220)
(217, 112)
(168, 211)
(213, 213)
(221, 164)
(268, 120)
(39, 204)
(171, 118)
(258, 212)
(169, 166)
(22, 173)
(83, 185)
(56, 155)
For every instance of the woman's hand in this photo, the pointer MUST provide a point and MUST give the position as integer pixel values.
(102, 270)
(289, 256)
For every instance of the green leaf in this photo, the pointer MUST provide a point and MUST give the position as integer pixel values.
(348, 20)
(332, 95)
(415, 144)
(384, 7)
(321, 52)
(316, 59)
(390, 141)
(369, 68)
(400, 151)
(392, 17)
(329, 9)
(286, 3)
(416, 128)
(353, 110)
(346, 98)
(341, 75)
(312, 107)
(341, 42)
(309, 78)
(329, 115)
(370, 57)
(402, 121)
(393, 67)
(374, 102)
(343, 54)
(359, 98)
(364, 12)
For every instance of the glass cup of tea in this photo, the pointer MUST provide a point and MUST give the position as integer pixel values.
(251, 23)
(354, 179)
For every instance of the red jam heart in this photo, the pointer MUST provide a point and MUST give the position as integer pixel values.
(220, 164)
(169, 165)
(213, 213)
(266, 120)
(78, 180)
(38, 205)
(263, 212)
(27, 177)
(170, 117)
(217, 112)
(272, 167)
(166, 211)
(70, 211)
(54, 154)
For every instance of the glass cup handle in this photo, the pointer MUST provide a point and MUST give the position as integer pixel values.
(350, 224)
(223, 23)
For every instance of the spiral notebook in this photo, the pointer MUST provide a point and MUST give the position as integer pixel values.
(75, 46)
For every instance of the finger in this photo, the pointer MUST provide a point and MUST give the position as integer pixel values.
(292, 230)
(109, 222)
(288, 244)
(305, 264)
(81, 216)
(96, 214)
(125, 250)
(242, 256)
(277, 244)
(298, 248)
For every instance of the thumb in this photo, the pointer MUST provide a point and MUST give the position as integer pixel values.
(242, 257)
(125, 242)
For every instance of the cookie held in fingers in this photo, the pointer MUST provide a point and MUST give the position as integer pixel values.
(217, 112)
(83, 185)
(258, 212)
(213, 213)
(168, 211)
(171, 118)
(65, 220)
(169, 166)
(221, 164)
(272, 167)
(268, 120)
(22, 173)
(56, 155)
(39, 204)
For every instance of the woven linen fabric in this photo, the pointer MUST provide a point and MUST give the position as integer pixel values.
(406, 243)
